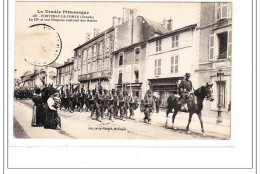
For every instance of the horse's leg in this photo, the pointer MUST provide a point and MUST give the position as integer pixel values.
(187, 128)
(167, 114)
(201, 123)
(173, 118)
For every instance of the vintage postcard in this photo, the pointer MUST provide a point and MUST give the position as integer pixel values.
(123, 70)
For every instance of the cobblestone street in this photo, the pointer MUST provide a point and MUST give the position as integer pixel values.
(79, 125)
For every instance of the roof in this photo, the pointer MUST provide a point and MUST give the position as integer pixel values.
(157, 26)
(130, 46)
(54, 64)
(98, 36)
(62, 65)
(192, 26)
(157, 37)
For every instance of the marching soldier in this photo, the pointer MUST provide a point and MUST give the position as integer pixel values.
(121, 100)
(116, 103)
(133, 104)
(87, 100)
(149, 105)
(82, 99)
(92, 105)
(110, 105)
(98, 102)
(126, 106)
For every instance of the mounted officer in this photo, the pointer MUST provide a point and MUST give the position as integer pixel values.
(185, 88)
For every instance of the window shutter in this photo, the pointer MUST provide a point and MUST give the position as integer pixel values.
(177, 40)
(224, 10)
(173, 40)
(176, 64)
(172, 64)
(160, 45)
(155, 67)
(211, 47)
(159, 66)
(229, 10)
(229, 45)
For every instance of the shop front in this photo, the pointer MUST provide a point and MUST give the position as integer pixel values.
(136, 88)
(164, 87)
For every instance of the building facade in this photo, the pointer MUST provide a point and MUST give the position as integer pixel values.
(94, 61)
(129, 69)
(64, 75)
(170, 56)
(215, 53)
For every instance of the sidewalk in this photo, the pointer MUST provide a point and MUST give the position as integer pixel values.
(221, 130)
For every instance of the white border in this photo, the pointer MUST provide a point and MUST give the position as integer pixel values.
(236, 153)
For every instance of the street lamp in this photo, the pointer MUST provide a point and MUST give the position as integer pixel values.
(220, 74)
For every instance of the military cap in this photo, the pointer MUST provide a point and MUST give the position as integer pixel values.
(187, 74)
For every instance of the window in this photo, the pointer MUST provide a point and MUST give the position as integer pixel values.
(120, 80)
(222, 43)
(157, 67)
(89, 53)
(174, 64)
(121, 59)
(137, 55)
(85, 56)
(158, 45)
(100, 52)
(221, 89)
(136, 76)
(95, 50)
(175, 41)
(222, 10)
(211, 47)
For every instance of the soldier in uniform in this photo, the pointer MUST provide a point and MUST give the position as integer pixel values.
(185, 88)
(116, 103)
(110, 105)
(149, 105)
(126, 106)
(82, 97)
(98, 99)
(133, 104)
(104, 103)
(121, 100)
(92, 103)
(87, 102)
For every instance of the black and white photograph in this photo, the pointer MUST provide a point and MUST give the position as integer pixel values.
(129, 85)
(129, 74)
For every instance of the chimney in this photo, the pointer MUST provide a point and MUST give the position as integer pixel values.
(164, 23)
(68, 60)
(132, 14)
(126, 14)
(96, 32)
(65, 62)
(115, 21)
(88, 36)
(170, 24)
(120, 21)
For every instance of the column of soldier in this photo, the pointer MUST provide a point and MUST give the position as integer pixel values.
(101, 103)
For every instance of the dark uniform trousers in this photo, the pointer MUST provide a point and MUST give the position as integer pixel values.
(149, 106)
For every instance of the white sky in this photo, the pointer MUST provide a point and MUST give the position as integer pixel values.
(73, 34)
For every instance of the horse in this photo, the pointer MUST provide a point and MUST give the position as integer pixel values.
(195, 105)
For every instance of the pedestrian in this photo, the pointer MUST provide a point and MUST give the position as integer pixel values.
(52, 102)
(39, 109)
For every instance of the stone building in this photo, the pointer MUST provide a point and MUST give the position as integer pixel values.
(169, 57)
(215, 53)
(64, 75)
